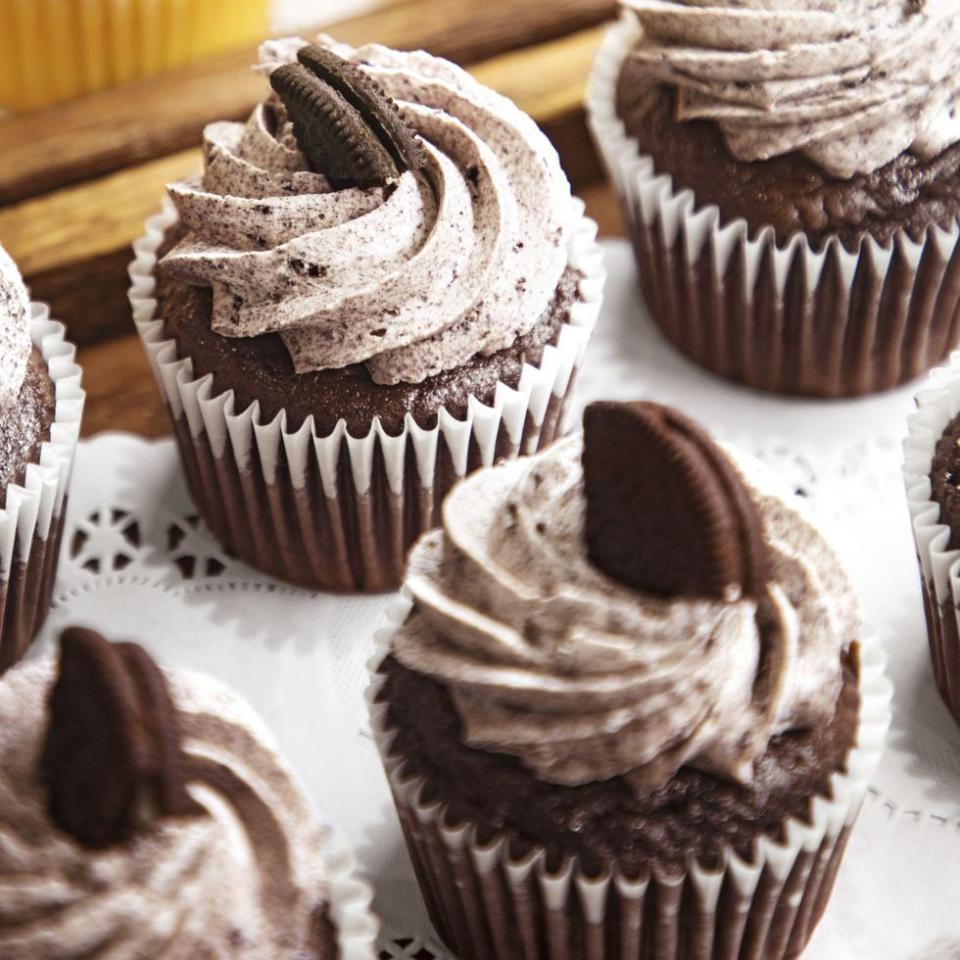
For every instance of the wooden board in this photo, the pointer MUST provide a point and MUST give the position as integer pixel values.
(90, 137)
(72, 245)
(78, 180)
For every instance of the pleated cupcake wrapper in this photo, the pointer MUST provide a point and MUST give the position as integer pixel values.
(51, 50)
(486, 905)
(349, 904)
(31, 522)
(339, 512)
(782, 317)
(938, 402)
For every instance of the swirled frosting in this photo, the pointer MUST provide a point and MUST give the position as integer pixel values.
(15, 342)
(584, 678)
(457, 259)
(850, 83)
(247, 879)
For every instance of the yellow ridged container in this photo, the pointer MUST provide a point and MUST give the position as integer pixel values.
(52, 50)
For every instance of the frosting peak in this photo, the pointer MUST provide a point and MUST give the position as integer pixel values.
(584, 678)
(15, 342)
(850, 83)
(458, 258)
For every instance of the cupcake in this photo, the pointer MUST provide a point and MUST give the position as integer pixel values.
(631, 710)
(53, 50)
(40, 408)
(379, 284)
(932, 475)
(146, 813)
(791, 182)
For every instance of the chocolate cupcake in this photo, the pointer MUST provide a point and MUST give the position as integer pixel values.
(631, 710)
(932, 475)
(147, 813)
(791, 183)
(40, 408)
(379, 284)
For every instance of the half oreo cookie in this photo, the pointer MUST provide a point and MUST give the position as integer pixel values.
(347, 126)
(112, 757)
(667, 512)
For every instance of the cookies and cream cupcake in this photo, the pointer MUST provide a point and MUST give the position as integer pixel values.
(932, 477)
(379, 283)
(630, 702)
(790, 175)
(41, 403)
(147, 813)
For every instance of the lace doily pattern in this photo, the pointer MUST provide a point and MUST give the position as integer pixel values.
(136, 561)
(393, 947)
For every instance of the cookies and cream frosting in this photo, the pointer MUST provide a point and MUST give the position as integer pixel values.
(585, 678)
(15, 344)
(850, 83)
(413, 278)
(246, 878)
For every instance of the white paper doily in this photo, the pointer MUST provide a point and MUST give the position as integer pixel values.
(137, 565)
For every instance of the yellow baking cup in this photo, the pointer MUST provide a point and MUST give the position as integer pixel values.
(52, 50)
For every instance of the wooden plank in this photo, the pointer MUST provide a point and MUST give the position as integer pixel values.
(73, 245)
(604, 207)
(121, 391)
(549, 82)
(87, 138)
(468, 32)
(122, 395)
(74, 225)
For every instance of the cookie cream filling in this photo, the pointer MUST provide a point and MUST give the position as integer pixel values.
(413, 278)
(247, 878)
(584, 678)
(15, 342)
(850, 83)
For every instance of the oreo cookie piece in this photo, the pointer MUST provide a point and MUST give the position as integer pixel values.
(349, 129)
(378, 110)
(667, 512)
(112, 756)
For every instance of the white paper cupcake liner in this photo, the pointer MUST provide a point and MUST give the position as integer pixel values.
(31, 521)
(937, 404)
(486, 905)
(349, 904)
(779, 316)
(339, 512)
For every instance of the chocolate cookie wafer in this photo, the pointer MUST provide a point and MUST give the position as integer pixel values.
(347, 126)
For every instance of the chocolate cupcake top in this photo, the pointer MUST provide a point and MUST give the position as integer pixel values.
(587, 668)
(148, 813)
(380, 208)
(850, 83)
(15, 342)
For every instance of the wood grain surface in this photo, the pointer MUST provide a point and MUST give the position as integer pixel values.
(73, 246)
(78, 180)
(86, 138)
